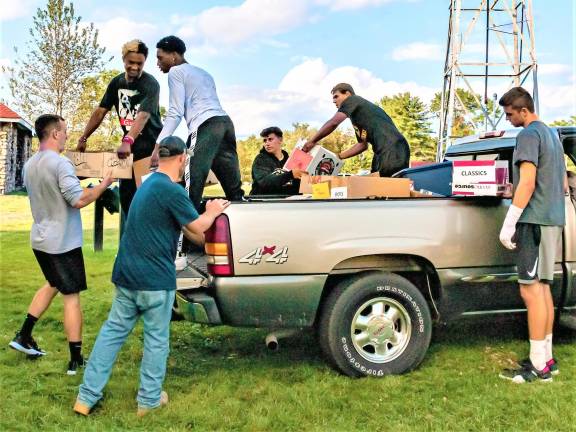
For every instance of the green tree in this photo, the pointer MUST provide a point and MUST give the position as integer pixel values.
(61, 52)
(107, 137)
(410, 116)
(468, 114)
(563, 122)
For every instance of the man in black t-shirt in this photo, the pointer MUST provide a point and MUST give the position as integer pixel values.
(372, 125)
(134, 94)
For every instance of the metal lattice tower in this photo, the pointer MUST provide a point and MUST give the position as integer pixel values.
(490, 48)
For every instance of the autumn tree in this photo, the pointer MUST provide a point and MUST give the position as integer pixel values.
(61, 52)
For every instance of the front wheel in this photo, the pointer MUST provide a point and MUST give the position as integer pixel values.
(375, 324)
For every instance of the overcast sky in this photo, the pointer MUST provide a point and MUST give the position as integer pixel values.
(275, 61)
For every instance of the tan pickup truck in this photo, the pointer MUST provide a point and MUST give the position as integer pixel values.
(371, 276)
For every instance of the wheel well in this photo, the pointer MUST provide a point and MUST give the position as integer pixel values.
(419, 271)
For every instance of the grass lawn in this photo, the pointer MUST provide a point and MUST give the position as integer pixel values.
(224, 379)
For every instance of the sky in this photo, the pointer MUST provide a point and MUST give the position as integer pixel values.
(275, 61)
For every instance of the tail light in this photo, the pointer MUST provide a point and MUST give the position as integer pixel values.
(219, 248)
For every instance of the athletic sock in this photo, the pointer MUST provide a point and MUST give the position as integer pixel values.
(538, 353)
(548, 340)
(75, 350)
(27, 326)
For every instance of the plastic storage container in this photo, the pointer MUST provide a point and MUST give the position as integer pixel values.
(436, 177)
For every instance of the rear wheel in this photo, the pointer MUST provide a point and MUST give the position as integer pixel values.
(375, 324)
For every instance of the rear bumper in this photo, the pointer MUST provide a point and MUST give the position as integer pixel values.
(198, 307)
(255, 301)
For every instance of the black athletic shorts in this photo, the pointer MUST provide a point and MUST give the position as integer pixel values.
(64, 271)
(536, 246)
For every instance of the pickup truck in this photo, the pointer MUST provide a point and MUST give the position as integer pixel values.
(372, 275)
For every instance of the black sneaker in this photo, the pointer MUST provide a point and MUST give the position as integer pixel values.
(552, 365)
(26, 345)
(526, 374)
(74, 365)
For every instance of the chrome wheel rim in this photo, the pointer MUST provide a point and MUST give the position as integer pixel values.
(381, 329)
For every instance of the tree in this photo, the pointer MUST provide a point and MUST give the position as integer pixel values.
(570, 122)
(410, 116)
(468, 115)
(60, 54)
(108, 135)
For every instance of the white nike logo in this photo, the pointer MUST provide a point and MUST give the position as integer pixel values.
(533, 272)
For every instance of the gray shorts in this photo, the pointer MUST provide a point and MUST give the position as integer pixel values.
(536, 246)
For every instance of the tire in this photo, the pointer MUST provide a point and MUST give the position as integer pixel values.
(375, 324)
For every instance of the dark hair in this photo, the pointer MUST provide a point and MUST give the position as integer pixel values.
(172, 44)
(517, 98)
(45, 123)
(343, 88)
(134, 46)
(271, 130)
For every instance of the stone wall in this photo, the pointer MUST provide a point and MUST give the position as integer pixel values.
(15, 148)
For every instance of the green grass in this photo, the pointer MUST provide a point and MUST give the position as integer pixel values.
(224, 379)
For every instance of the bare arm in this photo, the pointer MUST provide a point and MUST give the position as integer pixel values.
(526, 185)
(357, 148)
(89, 195)
(95, 120)
(139, 123)
(198, 239)
(194, 231)
(326, 129)
(124, 149)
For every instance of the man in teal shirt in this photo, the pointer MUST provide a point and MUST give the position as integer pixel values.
(145, 278)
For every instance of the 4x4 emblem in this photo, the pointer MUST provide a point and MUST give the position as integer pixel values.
(277, 255)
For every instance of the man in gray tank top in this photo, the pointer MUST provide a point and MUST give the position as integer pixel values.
(56, 198)
(533, 227)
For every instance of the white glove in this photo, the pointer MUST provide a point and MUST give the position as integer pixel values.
(509, 226)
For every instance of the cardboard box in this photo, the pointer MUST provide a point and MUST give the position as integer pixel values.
(142, 171)
(318, 161)
(97, 164)
(355, 187)
(480, 178)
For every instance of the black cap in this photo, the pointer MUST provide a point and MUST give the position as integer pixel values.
(171, 146)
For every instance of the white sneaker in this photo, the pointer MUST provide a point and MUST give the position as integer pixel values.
(181, 262)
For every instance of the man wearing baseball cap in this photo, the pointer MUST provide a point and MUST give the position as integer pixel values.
(145, 278)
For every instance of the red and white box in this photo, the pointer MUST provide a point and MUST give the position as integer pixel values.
(480, 178)
(317, 161)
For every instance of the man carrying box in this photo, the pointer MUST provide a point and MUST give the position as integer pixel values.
(135, 95)
(372, 125)
(267, 174)
(533, 226)
(56, 198)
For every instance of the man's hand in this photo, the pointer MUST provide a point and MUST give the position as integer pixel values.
(308, 145)
(154, 157)
(81, 146)
(215, 207)
(509, 227)
(297, 173)
(108, 179)
(124, 150)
